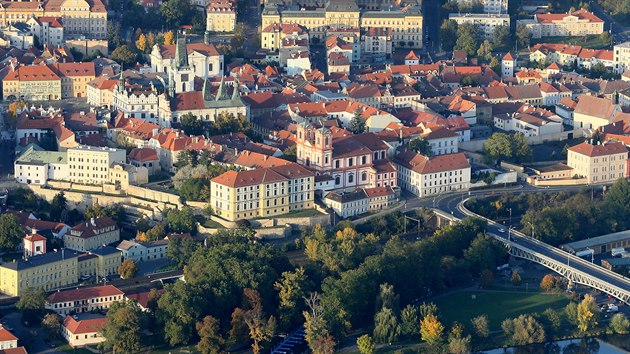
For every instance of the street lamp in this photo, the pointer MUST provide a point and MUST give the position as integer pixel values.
(533, 228)
(510, 222)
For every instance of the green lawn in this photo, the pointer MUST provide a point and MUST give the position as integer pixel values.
(209, 223)
(592, 41)
(461, 307)
(302, 213)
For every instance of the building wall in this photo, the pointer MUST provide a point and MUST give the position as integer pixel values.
(84, 305)
(42, 90)
(600, 169)
(90, 165)
(487, 23)
(80, 340)
(48, 277)
(424, 185)
(221, 21)
(87, 244)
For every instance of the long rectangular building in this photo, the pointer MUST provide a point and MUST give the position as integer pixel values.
(262, 192)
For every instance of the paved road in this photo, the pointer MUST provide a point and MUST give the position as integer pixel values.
(451, 204)
(619, 32)
(431, 25)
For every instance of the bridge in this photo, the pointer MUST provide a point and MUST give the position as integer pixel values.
(575, 269)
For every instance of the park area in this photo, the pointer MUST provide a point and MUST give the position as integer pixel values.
(462, 306)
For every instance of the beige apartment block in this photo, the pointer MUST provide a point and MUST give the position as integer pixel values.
(601, 163)
(90, 164)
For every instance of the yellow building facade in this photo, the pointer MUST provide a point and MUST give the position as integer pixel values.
(262, 192)
(80, 18)
(406, 24)
(48, 271)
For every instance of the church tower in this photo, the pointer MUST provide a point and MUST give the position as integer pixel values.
(507, 65)
(184, 76)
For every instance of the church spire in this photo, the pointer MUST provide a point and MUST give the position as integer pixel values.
(235, 93)
(121, 82)
(207, 95)
(181, 53)
(221, 93)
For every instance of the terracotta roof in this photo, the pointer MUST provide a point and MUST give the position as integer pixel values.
(75, 69)
(248, 178)
(508, 56)
(143, 154)
(599, 150)
(84, 294)
(43, 225)
(379, 191)
(252, 159)
(168, 51)
(35, 237)
(31, 73)
(595, 107)
(87, 229)
(17, 350)
(92, 325)
(143, 297)
(554, 66)
(581, 14)
(424, 165)
(5, 335)
(411, 56)
(600, 54)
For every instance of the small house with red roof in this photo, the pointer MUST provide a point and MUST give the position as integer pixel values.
(7, 339)
(145, 157)
(34, 244)
(84, 329)
(411, 58)
(508, 63)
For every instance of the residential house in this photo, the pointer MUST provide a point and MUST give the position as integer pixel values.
(433, 175)
(601, 163)
(92, 234)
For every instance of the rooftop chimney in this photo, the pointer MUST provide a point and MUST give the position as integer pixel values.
(92, 222)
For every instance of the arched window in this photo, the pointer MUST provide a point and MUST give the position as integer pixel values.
(337, 180)
(351, 178)
(364, 176)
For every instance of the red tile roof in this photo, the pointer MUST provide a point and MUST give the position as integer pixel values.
(87, 229)
(92, 325)
(411, 56)
(599, 150)
(5, 335)
(84, 294)
(508, 56)
(581, 14)
(143, 154)
(424, 165)
(32, 73)
(379, 191)
(17, 350)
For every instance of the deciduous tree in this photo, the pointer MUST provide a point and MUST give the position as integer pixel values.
(409, 321)
(291, 289)
(169, 38)
(619, 323)
(210, 339)
(128, 269)
(527, 330)
(52, 325)
(587, 314)
(141, 43)
(431, 329)
(420, 145)
(125, 55)
(10, 232)
(448, 34)
(122, 329)
(366, 344)
(481, 326)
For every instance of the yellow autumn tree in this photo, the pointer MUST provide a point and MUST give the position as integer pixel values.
(141, 236)
(169, 38)
(141, 43)
(587, 312)
(431, 329)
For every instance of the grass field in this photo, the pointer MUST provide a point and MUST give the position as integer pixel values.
(497, 306)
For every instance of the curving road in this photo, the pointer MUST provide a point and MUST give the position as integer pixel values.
(453, 205)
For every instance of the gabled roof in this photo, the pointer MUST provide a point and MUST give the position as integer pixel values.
(594, 106)
(85, 326)
(143, 154)
(606, 149)
(84, 294)
(433, 164)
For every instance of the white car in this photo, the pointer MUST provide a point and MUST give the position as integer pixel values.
(502, 231)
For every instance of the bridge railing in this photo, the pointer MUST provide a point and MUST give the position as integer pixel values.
(560, 252)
